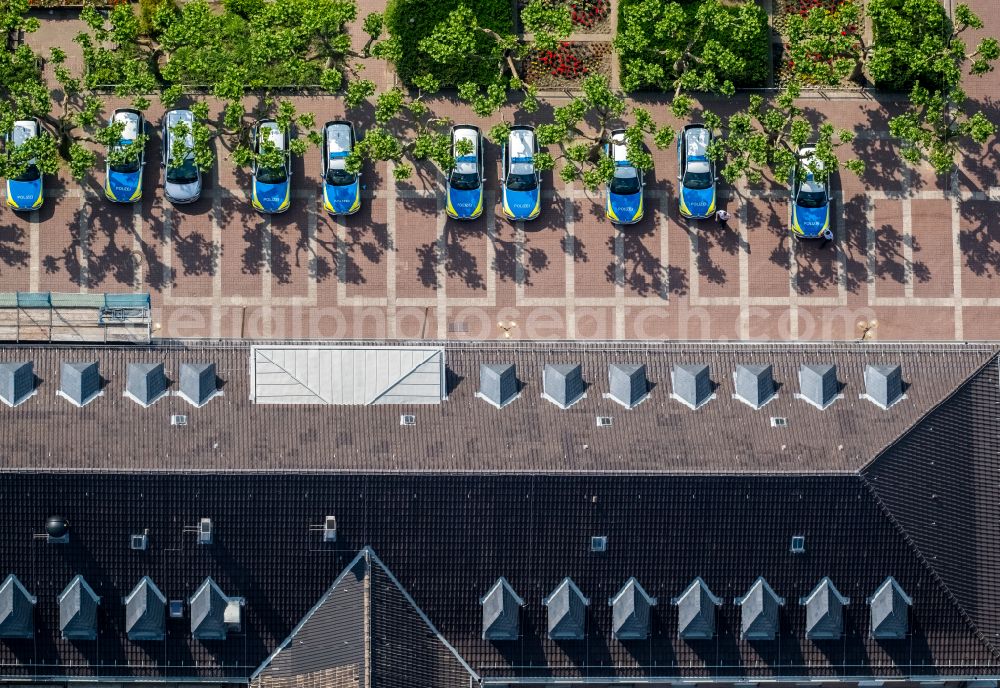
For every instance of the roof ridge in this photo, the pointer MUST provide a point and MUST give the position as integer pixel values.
(907, 538)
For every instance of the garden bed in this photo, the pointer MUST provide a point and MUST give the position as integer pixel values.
(589, 16)
(813, 57)
(567, 65)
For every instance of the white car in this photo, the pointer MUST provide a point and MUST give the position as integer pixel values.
(181, 183)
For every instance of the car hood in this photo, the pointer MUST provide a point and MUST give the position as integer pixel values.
(521, 204)
(812, 221)
(271, 196)
(342, 199)
(24, 195)
(698, 202)
(183, 192)
(465, 203)
(123, 186)
(624, 207)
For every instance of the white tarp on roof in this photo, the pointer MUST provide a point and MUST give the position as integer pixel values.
(347, 375)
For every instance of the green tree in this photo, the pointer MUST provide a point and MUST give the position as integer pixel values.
(581, 151)
(916, 45)
(266, 154)
(201, 140)
(474, 51)
(765, 139)
(691, 46)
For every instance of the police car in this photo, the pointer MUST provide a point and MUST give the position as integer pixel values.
(24, 192)
(465, 182)
(181, 182)
(521, 181)
(272, 186)
(624, 204)
(810, 197)
(697, 172)
(123, 181)
(341, 189)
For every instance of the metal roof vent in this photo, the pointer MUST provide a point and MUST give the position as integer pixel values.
(628, 384)
(176, 609)
(144, 611)
(17, 382)
(497, 383)
(145, 383)
(631, 611)
(205, 531)
(754, 384)
(567, 611)
(56, 530)
(563, 384)
(198, 383)
(759, 611)
(798, 544)
(138, 541)
(696, 611)
(17, 610)
(599, 543)
(818, 384)
(79, 382)
(890, 611)
(78, 610)
(330, 529)
(824, 611)
(501, 612)
(883, 385)
(691, 384)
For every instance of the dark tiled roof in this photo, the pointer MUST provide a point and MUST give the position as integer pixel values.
(447, 539)
(939, 484)
(465, 433)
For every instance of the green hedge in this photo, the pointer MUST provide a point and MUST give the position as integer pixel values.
(903, 31)
(641, 38)
(497, 15)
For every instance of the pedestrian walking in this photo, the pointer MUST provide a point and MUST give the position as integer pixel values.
(722, 217)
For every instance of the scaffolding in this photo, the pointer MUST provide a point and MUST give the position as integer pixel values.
(73, 317)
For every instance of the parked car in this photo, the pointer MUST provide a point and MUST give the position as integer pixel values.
(341, 189)
(123, 181)
(624, 204)
(520, 180)
(272, 186)
(465, 182)
(181, 183)
(810, 197)
(697, 172)
(24, 192)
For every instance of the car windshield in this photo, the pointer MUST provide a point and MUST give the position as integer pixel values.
(811, 199)
(464, 182)
(30, 174)
(625, 186)
(339, 177)
(521, 182)
(127, 167)
(698, 180)
(271, 175)
(185, 173)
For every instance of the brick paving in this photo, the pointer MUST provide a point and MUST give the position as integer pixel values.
(919, 254)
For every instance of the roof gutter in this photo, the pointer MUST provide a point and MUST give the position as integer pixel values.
(172, 680)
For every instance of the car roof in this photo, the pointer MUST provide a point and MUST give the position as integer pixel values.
(521, 143)
(696, 140)
(619, 153)
(338, 144)
(273, 132)
(175, 117)
(131, 119)
(23, 130)
(467, 164)
(807, 157)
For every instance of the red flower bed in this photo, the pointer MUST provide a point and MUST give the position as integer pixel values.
(568, 64)
(803, 7)
(588, 13)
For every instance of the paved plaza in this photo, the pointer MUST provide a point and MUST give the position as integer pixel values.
(918, 254)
